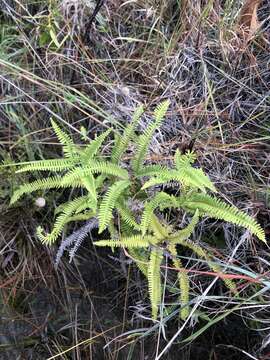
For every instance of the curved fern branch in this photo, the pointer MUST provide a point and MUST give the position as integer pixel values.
(96, 167)
(48, 165)
(69, 148)
(183, 283)
(42, 184)
(136, 241)
(217, 209)
(154, 280)
(69, 208)
(146, 137)
(161, 199)
(122, 144)
(108, 203)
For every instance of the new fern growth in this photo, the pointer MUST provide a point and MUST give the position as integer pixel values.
(108, 186)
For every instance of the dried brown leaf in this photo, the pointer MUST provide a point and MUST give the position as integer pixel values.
(248, 19)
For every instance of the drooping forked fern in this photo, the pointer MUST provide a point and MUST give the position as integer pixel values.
(158, 239)
(217, 209)
(109, 187)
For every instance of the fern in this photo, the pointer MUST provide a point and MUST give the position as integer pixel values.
(86, 215)
(187, 231)
(191, 177)
(141, 259)
(96, 167)
(69, 148)
(183, 283)
(89, 183)
(116, 186)
(184, 160)
(91, 150)
(127, 215)
(151, 170)
(108, 203)
(144, 140)
(161, 232)
(136, 241)
(63, 219)
(54, 165)
(161, 199)
(122, 144)
(41, 184)
(154, 281)
(217, 209)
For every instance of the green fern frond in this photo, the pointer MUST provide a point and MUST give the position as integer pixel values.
(91, 150)
(145, 139)
(69, 148)
(89, 183)
(41, 184)
(185, 233)
(160, 111)
(151, 170)
(183, 281)
(155, 181)
(129, 133)
(102, 167)
(88, 204)
(184, 160)
(195, 178)
(190, 177)
(108, 203)
(72, 206)
(161, 199)
(160, 231)
(127, 216)
(68, 210)
(141, 259)
(82, 216)
(217, 209)
(48, 165)
(136, 241)
(154, 280)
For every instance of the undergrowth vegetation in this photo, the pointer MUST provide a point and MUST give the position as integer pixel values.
(135, 136)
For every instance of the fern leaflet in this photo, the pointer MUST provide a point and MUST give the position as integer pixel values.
(69, 148)
(183, 283)
(129, 132)
(144, 140)
(136, 241)
(41, 184)
(108, 203)
(217, 209)
(154, 280)
(161, 199)
(48, 165)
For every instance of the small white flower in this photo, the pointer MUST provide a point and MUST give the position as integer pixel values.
(40, 202)
(125, 90)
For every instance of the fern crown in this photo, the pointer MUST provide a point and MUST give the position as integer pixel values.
(125, 198)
